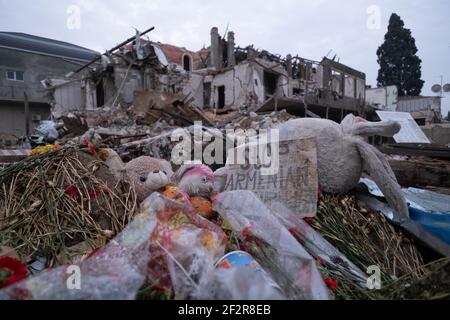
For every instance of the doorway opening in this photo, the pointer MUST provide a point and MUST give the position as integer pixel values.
(270, 84)
(207, 95)
(187, 63)
(221, 97)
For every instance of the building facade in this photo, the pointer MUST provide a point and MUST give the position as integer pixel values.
(26, 61)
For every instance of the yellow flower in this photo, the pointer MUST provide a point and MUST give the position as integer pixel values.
(44, 149)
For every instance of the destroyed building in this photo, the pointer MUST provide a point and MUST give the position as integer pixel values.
(107, 190)
(140, 65)
(220, 78)
(25, 61)
(237, 78)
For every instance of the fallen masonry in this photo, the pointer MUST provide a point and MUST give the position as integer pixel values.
(332, 214)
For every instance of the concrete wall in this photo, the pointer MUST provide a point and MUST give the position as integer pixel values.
(12, 117)
(68, 97)
(132, 83)
(36, 67)
(384, 98)
(194, 88)
(244, 85)
(438, 133)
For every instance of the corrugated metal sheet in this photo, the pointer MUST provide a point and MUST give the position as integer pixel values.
(419, 104)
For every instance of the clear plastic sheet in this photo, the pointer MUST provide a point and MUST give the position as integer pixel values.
(292, 268)
(317, 245)
(236, 284)
(184, 246)
(167, 243)
(47, 129)
(116, 271)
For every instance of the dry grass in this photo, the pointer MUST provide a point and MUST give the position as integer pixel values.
(37, 216)
(366, 237)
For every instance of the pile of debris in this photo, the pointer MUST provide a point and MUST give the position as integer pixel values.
(259, 121)
(102, 190)
(193, 237)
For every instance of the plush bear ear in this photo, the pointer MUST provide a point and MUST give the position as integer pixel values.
(379, 170)
(360, 127)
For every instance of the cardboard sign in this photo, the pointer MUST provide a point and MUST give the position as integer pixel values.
(295, 183)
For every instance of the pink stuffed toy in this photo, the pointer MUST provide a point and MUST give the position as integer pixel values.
(195, 180)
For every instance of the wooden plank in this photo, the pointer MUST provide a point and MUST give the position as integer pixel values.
(416, 150)
(201, 115)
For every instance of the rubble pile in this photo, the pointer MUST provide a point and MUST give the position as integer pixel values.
(75, 201)
(260, 121)
(107, 188)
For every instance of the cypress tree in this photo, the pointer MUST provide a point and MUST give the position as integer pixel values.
(399, 64)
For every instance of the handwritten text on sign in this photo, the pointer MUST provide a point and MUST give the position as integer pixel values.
(295, 183)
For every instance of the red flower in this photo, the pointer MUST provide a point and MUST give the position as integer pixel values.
(19, 294)
(246, 232)
(320, 262)
(308, 219)
(85, 143)
(72, 191)
(319, 192)
(91, 150)
(331, 283)
(92, 194)
(11, 271)
(292, 230)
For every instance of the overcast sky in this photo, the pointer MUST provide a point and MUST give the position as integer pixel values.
(310, 28)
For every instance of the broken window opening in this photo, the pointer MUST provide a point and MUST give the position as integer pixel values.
(270, 84)
(420, 121)
(336, 82)
(349, 86)
(224, 47)
(187, 62)
(207, 94)
(100, 93)
(221, 97)
(296, 91)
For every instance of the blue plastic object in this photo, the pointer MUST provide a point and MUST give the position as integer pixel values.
(436, 224)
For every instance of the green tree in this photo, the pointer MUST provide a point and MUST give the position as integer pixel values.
(399, 64)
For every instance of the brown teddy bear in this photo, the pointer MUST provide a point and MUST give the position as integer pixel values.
(147, 174)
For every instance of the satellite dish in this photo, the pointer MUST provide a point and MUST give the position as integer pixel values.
(436, 88)
(446, 87)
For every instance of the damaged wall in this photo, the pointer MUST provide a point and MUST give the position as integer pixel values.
(132, 82)
(247, 84)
